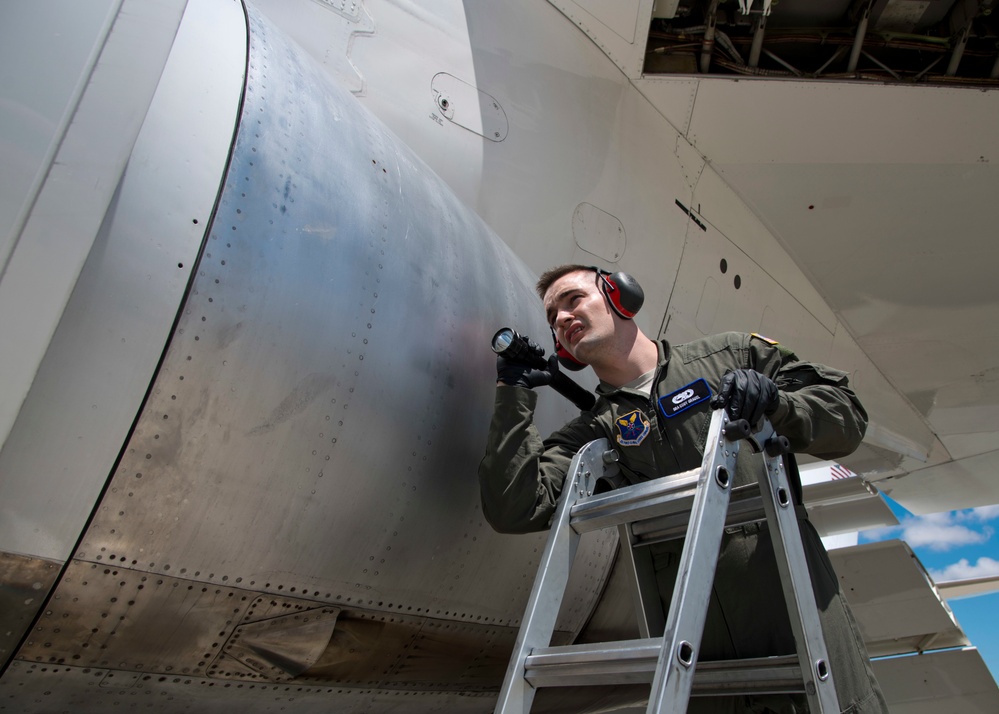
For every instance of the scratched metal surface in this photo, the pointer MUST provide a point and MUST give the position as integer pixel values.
(310, 442)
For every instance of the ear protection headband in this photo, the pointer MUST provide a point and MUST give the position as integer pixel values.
(624, 295)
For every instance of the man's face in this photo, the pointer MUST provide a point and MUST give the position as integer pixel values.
(579, 314)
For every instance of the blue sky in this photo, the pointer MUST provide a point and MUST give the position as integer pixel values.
(952, 546)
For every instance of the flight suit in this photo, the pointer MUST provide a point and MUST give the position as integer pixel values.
(521, 479)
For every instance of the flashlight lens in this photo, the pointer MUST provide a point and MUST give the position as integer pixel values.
(502, 340)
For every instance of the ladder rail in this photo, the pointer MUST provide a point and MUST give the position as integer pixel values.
(640, 569)
(538, 623)
(674, 675)
(799, 597)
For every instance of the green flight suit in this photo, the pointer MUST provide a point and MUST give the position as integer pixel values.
(521, 479)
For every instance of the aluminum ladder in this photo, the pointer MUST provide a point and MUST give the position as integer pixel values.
(699, 504)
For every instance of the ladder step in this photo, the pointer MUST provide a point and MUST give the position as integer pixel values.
(632, 503)
(625, 662)
(634, 662)
(660, 509)
(745, 506)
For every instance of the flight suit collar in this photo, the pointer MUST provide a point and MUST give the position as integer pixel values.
(665, 351)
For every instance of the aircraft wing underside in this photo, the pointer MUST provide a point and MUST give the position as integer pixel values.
(880, 191)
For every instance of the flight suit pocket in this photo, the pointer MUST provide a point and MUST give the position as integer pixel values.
(630, 433)
(686, 428)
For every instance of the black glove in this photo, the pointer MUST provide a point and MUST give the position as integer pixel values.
(746, 394)
(520, 374)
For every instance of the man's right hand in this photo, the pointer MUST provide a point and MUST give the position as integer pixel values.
(746, 394)
(517, 374)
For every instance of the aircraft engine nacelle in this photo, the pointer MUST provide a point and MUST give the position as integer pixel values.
(307, 447)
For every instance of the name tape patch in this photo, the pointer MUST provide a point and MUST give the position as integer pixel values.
(684, 398)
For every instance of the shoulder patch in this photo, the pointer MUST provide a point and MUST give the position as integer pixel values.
(634, 427)
(765, 339)
(684, 398)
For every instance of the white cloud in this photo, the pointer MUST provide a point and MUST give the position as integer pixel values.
(984, 513)
(937, 531)
(879, 534)
(962, 570)
(939, 535)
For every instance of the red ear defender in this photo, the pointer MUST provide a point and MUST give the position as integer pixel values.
(565, 359)
(622, 291)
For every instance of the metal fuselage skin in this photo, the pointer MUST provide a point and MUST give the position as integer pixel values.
(294, 492)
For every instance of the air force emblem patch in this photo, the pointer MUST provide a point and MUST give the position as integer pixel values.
(634, 428)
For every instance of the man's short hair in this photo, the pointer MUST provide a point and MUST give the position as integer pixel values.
(552, 274)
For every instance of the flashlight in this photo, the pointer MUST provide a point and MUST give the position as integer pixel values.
(515, 347)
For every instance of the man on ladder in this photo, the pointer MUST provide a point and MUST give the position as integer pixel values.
(654, 404)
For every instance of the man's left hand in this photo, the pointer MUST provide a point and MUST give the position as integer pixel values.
(746, 394)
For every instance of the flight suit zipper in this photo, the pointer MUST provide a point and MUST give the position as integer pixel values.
(663, 445)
